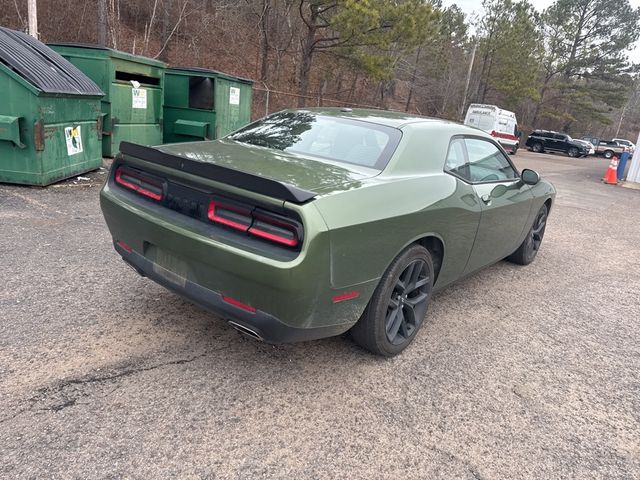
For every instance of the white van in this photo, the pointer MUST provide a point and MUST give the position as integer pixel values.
(500, 124)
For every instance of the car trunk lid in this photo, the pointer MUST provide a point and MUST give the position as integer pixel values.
(311, 174)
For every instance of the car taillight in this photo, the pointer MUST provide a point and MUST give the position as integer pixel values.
(259, 223)
(274, 229)
(139, 182)
(231, 215)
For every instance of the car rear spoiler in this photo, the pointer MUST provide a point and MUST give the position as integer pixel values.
(229, 176)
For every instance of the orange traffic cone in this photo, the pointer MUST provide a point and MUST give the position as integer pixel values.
(611, 175)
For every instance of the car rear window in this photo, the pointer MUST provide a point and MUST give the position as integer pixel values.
(338, 139)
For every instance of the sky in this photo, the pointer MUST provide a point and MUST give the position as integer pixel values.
(471, 6)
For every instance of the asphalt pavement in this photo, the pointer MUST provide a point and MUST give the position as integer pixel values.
(520, 372)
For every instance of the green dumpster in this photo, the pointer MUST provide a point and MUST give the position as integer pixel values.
(50, 119)
(132, 105)
(202, 104)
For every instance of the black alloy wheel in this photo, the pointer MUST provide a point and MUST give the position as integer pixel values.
(408, 302)
(573, 152)
(538, 228)
(528, 249)
(399, 304)
(537, 147)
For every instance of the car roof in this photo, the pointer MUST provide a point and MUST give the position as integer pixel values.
(380, 117)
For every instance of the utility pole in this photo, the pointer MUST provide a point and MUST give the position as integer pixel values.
(466, 87)
(33, 18)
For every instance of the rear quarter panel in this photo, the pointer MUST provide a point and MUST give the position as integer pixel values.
(368, 227)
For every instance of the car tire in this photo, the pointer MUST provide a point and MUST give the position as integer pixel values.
(398, 306)
(528, 249)
(514, 150)
(573, 152)
(608, 154)
(537, 147)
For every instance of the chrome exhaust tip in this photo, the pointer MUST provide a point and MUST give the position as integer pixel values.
(245, 330)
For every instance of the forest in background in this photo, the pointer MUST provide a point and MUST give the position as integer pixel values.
(565, 68)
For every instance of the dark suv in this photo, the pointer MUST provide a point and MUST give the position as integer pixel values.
(543, 140)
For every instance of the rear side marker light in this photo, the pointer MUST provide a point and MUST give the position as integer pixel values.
(345, 296)
(239, 304)
(126, 247)
(139, 183)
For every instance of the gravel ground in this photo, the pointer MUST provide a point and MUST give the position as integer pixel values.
(519, 372)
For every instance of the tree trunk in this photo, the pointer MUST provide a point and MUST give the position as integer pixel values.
(539, 105)
(264, 44)
(102, 22)
(166, 29)
(308, 48)
(413, 79)
(576, 42)
(486, 82)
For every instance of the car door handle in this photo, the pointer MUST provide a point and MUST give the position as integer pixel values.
(486, 199)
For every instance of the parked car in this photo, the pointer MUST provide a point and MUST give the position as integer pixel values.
(499, 123)
(593, 140)
(609, 148)
(309, 223)
(627, 143)
(546, 140)
(589, 145)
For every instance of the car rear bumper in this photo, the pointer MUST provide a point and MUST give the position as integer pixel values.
(288, 300)
(257, 324)
(507, 143)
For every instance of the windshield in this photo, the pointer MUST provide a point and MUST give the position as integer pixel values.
(337, 139)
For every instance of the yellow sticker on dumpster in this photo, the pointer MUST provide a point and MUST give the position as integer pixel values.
(73, 138)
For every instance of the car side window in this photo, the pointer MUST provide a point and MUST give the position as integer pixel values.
(486, 162)
(456, 162)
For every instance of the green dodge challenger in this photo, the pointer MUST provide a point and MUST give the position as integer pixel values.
(309, 223)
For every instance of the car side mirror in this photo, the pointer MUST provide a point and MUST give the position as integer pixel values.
(529, 177)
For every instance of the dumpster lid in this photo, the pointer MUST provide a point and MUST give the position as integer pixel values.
(41, 66)
(112, 52)
(211, 72)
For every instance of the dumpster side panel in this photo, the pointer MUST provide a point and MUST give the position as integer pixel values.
(246, 101)
(233, 106)
(224, 109)
(18, 161)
